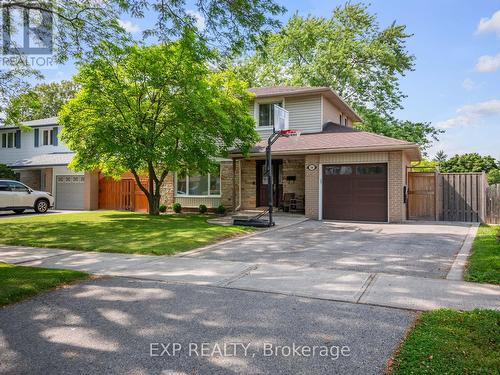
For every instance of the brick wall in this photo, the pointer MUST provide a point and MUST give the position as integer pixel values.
(396, 179)
(248, 184)
(226, 185)
(31, 178)
(312, 187)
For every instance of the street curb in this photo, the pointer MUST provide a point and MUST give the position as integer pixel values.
(457, 269)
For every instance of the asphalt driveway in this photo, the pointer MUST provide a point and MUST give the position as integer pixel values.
(107, 326)
(425, 250)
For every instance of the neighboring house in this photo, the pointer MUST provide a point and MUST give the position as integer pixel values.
(40, 161)
(337, 172)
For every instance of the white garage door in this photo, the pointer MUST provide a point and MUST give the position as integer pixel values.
(70, 192)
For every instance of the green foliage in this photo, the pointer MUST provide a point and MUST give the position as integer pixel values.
(177, 208)
(80, 26)
(6, 172)
(421, 133)
(42, 101)
(424, 165)
(162, 208)
(494, 176)
(484, 262)
(20, 282)
(155, 110)
(220, 210)
(451, 342)
(471, 162)
(440, 157)
(202, 209)
(115, 232)
(348, 52)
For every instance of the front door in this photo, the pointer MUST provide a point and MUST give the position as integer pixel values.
(277, 170)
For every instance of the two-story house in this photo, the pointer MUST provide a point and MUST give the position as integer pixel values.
(331, 171)
(40, 161)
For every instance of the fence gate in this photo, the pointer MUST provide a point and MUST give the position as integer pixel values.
(421, 196)
(493, 204)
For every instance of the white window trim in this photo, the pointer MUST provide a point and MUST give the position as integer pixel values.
(265, 101)
(51, 137)
(7, 140)
(187, 195)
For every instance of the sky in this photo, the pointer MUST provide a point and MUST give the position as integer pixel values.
(456, 81)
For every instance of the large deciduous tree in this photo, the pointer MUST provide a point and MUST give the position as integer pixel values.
(80, 25)
(42, 101)
(156, 110)
(350, 53)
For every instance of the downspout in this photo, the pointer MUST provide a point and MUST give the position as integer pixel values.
(239, 186)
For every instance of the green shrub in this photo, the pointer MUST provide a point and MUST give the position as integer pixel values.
(203, 209)
(177, 208)
(6, 172)
(221, 210)
(162, 208)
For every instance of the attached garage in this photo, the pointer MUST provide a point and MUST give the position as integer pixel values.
(70, 190)
(355, 192)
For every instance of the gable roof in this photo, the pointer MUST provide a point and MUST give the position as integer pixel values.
(336, 138)
(269, 91)
(49, 121)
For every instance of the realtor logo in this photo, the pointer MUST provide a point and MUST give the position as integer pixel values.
(27, 36)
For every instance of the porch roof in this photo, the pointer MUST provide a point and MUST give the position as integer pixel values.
(334, 139)
(44, 160)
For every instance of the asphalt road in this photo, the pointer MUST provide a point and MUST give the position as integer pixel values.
(112, 325)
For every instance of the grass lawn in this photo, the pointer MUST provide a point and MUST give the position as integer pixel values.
(17, 282)
(116, 232)
(452, 342)
(484, 262)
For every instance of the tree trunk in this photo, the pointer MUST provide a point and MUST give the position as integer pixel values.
(153, 192)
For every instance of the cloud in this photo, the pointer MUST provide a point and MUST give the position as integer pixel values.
(469, 85)
(488, 63)
(199, 20)
(129, 26)
(489, 25)
(472, 114)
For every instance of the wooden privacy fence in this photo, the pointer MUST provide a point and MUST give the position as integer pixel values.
(493, 204)
(447, 196)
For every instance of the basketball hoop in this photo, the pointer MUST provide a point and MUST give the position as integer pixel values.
(290, 133)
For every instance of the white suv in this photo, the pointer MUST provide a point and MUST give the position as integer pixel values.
(18, 197)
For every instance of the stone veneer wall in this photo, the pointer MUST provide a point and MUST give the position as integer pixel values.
(294, 167)
(167, 190)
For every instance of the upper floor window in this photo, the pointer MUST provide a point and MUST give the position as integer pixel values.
(266, 113)
(197, 185)
(9, 140)
(47, 137)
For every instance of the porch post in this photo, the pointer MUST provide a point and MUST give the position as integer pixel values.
(269, 171)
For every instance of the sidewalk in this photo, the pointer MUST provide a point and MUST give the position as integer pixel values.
(407, 292)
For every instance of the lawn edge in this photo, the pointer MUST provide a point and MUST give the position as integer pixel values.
(466, 275)
(69, 284)
(389, 366)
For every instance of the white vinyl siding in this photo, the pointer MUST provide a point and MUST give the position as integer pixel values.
(304, 113)
(28, 149)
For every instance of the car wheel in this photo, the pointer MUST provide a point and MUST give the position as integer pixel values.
(42, 206)
(20, 211)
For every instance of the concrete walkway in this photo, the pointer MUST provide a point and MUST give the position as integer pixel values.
(407, 292)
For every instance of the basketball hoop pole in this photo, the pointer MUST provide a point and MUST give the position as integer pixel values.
(269, 171)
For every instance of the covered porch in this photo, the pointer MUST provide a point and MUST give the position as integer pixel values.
(250, 183)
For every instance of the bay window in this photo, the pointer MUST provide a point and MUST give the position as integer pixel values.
(198, 185)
